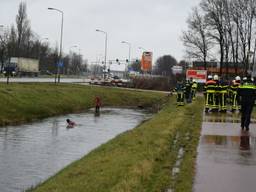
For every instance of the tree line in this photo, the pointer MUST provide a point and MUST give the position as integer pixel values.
(20, 41)
(222, 30)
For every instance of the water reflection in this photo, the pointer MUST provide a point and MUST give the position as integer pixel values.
(224, 118)
(245, 141)
(31, 153)
(55, 127)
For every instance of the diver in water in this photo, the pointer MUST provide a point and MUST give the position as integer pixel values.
(70, 123)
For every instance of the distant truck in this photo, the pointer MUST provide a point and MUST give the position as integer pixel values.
(22, 67)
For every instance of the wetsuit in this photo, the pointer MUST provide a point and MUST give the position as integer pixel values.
(97, 105)
(247, 93)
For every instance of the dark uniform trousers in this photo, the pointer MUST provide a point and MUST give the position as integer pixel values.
(180, 98)
(247, 93)
(246, 110)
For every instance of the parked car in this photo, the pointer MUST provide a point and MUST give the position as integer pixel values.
(116, 81)
(96, 81)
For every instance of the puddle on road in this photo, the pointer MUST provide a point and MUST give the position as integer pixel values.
(31, 153)
(224, 118)
(226, 156)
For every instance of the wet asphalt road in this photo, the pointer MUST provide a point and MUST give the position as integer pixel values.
(31, 153)
(226, 159)
(45, 80)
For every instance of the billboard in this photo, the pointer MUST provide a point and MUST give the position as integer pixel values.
(199, 75)
(146, 61)
(176, 69)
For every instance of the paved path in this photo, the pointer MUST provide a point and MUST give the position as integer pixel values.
(226, 159)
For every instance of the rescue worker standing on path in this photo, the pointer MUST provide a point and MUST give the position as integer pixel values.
(180, 93)
(209, 93)
(223, 94)
(194, 89)
(216, 94)
(234, 97)
(247, 92)
(188, 91)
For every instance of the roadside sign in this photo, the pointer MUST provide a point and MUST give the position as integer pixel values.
(199, 75)
(60, 64)
(146, 61)
(177, 69)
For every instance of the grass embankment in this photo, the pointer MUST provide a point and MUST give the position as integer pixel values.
(139, 160)
(26, 102)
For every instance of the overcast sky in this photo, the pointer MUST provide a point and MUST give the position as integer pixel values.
(155, 25)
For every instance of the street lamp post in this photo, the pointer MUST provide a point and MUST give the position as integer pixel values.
(61, 38)
(74, 46)
(129, 54)
(141, 48)
(106, 46)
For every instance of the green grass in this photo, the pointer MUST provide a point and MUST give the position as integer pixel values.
(139, 160)
(27, 102)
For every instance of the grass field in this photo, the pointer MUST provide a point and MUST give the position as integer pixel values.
(140, 160)
(27, 102)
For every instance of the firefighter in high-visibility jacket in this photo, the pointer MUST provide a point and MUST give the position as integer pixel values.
(223, 95)
(194, 89)
(188, 91)
(247, 92)
(235, 99)
(210, 87)
(180, 90)
(216, 95)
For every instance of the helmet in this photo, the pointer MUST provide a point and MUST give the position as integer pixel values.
(238, 78)
(209, 77)
(194, 81)
(215, 77)
(244, 78)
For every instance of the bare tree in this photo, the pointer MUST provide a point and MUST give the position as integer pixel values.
(4, 36)
(23, 29)
(215, 16)
(196, 39)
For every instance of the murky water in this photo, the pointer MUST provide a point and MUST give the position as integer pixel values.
(30, 153)
(226, 156)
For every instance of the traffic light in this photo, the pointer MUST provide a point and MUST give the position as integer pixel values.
(117, 60)
(127, 60)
